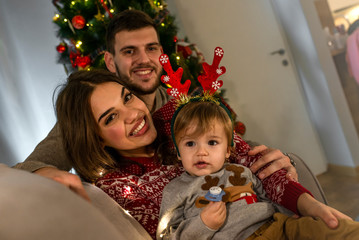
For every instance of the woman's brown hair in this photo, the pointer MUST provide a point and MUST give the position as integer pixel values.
(80, 132)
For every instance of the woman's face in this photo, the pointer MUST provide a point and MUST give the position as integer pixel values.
(124, 121)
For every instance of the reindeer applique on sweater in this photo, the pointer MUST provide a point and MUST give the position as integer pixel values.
(233, 193)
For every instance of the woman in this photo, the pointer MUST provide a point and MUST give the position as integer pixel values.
(109, 135)
(105, 127)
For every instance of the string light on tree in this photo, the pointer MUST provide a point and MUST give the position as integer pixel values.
(56, 17)
(78, 44)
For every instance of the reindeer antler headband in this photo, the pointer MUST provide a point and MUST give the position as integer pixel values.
(208, 80)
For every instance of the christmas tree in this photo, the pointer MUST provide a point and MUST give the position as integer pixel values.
(81, 28)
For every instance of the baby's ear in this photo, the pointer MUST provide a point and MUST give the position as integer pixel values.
(228, 152)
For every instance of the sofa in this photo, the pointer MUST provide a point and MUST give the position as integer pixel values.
(33, 207)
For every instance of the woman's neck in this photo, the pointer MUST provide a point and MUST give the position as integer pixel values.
(139, 152)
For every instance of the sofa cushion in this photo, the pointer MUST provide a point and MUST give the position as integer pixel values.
(34, 208)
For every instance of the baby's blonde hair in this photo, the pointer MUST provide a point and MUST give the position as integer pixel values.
(202, 115)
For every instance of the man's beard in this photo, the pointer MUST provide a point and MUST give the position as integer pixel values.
(135, 87)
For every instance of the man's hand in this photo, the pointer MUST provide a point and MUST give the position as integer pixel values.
(214, 215)
(308, 206)
(68, 179)
(277, 159)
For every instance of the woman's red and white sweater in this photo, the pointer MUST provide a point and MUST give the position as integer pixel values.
(139, 190)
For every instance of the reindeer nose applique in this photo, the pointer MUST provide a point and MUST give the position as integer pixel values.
(215, 194)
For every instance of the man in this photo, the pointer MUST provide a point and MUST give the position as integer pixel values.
(133, 53)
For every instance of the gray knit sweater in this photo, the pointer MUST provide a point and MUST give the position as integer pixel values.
(180, 218)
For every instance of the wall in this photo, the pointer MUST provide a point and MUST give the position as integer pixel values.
(28, 75)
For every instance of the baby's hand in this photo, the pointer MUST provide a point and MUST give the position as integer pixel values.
(214, 215)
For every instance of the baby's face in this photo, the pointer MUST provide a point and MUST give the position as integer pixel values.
(204, 154)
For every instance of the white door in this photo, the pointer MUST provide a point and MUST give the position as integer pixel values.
(261, 87)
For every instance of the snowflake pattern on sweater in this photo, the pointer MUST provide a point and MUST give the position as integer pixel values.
(139, 191)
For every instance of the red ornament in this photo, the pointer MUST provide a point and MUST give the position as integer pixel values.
(185, 50)
(83, 62)
(78, 22)
(240, 128)
(73, 58)
(175, 39)
(61, 47)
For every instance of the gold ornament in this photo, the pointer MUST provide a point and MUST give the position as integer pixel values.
(99, 16)
(156, 4)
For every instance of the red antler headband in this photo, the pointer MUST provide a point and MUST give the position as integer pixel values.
(173, 79)
(208, 80)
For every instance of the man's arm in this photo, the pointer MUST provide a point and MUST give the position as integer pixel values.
(277, 159)
(48, 153)
(276, 185)
(49, 160)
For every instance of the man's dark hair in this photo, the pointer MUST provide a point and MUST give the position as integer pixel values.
(127, 20)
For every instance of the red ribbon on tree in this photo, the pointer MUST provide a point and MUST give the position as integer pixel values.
(78, 61)
(73, 57)
(106, 8)
(83, 62)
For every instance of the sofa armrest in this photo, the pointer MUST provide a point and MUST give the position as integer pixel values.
(308, 179)
(33, 207)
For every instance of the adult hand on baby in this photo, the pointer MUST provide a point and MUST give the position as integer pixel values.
(277, 159)
(214, 215)
(68, 179)
(308, 206)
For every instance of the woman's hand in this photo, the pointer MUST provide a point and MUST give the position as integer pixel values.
(214, 215)
(308, 206)
(72, 181)
(277, 159)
